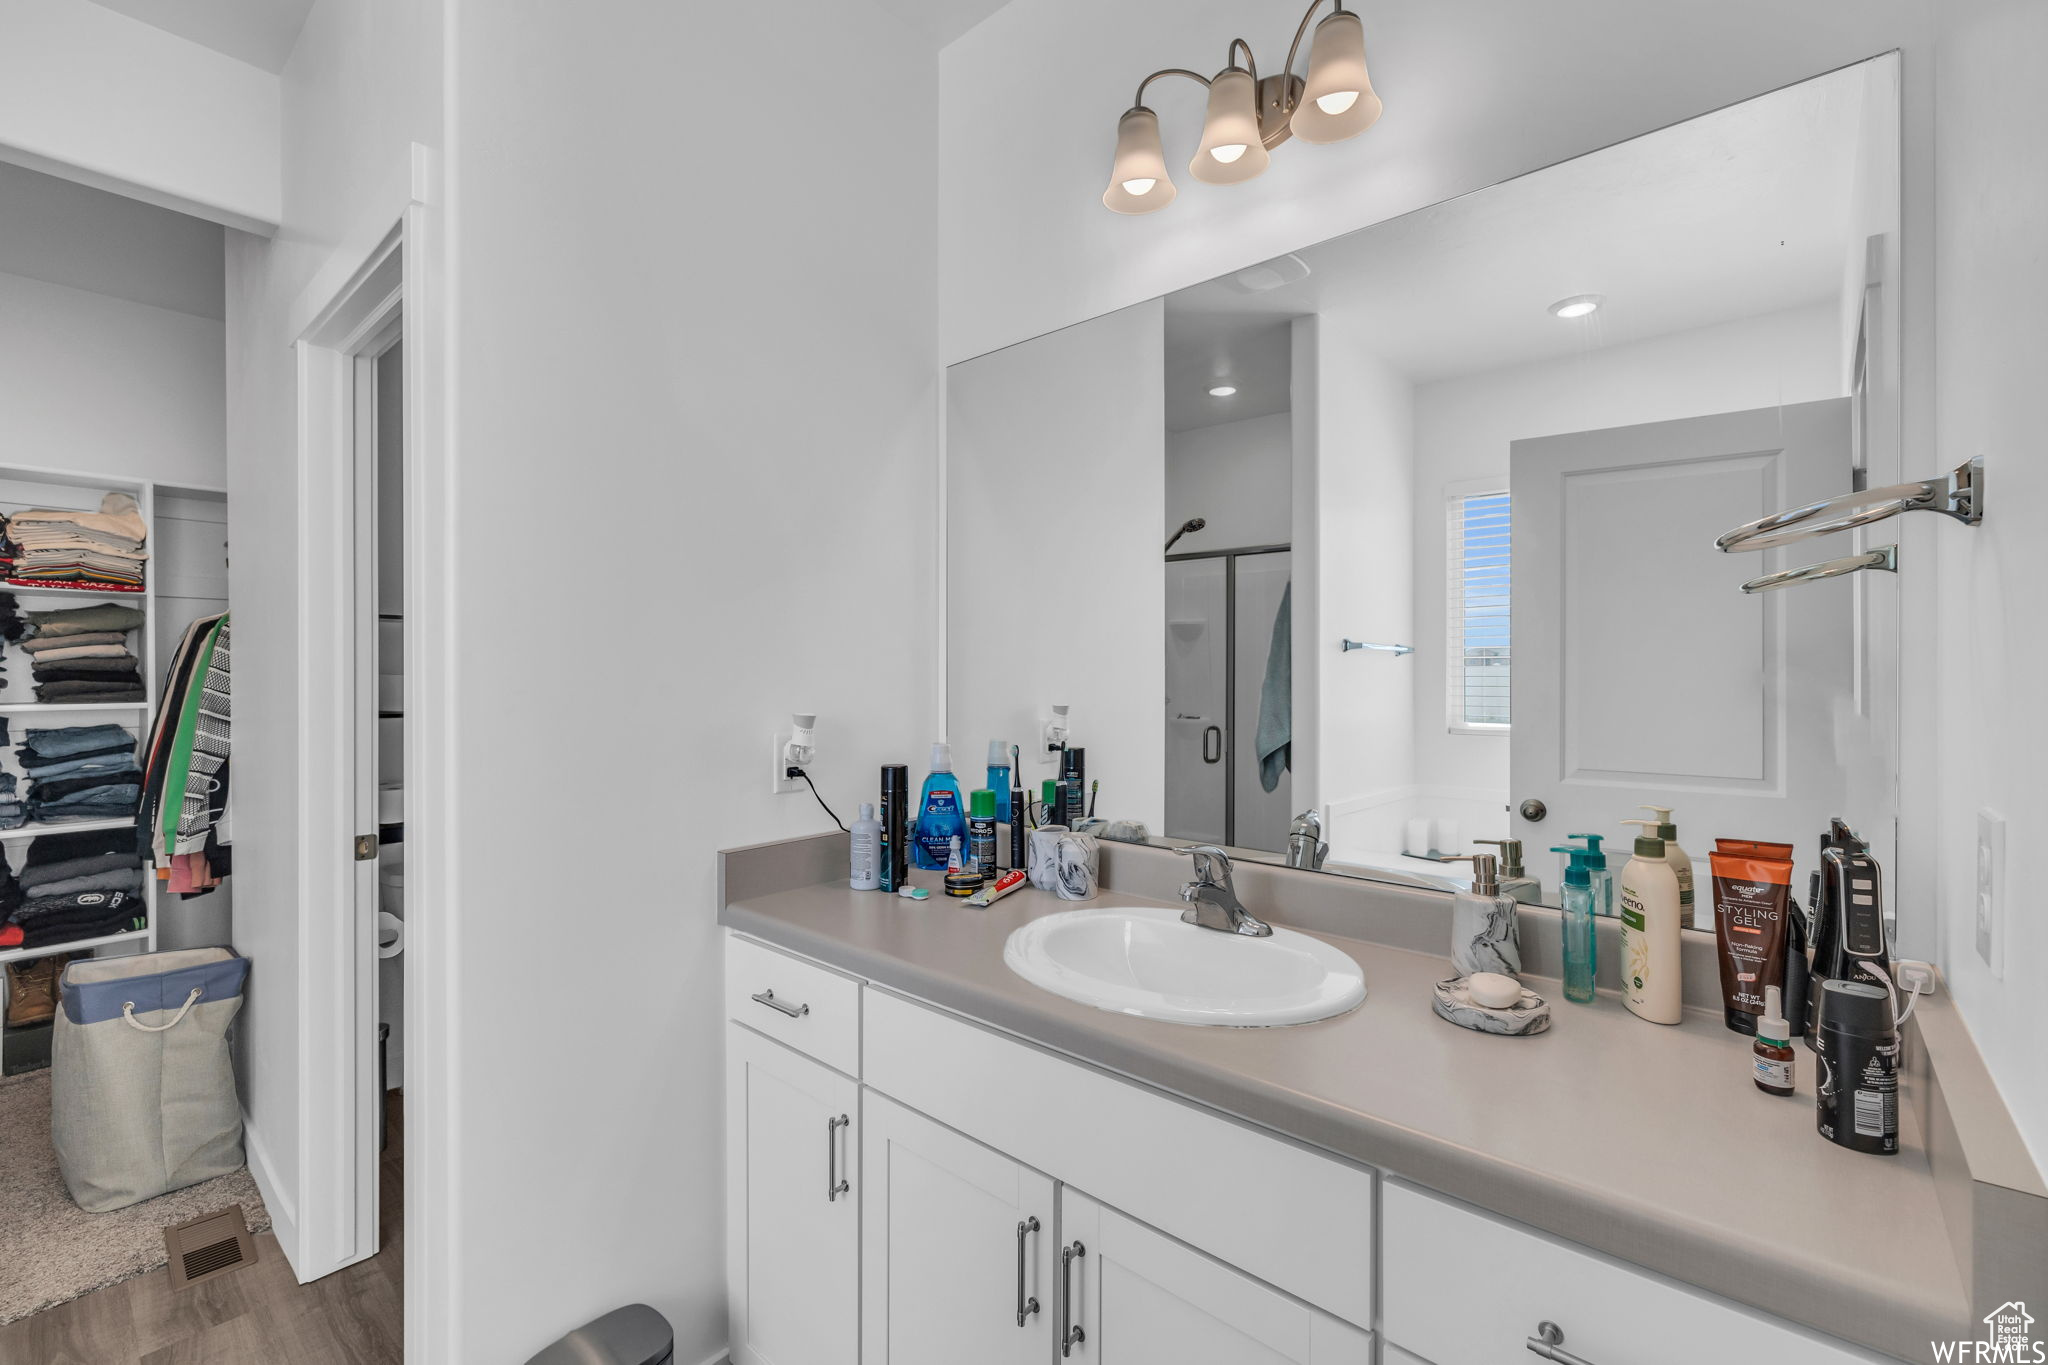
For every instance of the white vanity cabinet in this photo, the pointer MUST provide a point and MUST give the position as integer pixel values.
(792, 1206)
(1466, 1287)
(957, 1245)
(1128, 1294)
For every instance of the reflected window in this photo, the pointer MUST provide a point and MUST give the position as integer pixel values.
(1480, 533)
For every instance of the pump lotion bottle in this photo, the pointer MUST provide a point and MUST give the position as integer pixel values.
(1485, 933)
(1649, 931)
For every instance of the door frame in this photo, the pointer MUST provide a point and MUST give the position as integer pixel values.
(389, 283)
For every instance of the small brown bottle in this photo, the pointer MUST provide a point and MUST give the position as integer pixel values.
(1774, 1055)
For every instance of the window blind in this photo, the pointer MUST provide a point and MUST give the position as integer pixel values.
(1480, 534)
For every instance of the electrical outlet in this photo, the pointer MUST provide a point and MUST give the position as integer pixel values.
(1991, 890)
(784, 783)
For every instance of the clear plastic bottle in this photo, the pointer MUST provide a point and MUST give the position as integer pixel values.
(1598, 875)
(864, 866)
(1581, 939)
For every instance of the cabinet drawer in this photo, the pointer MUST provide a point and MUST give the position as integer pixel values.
(809, 1007)
(1298, 1220)
(1464, 1288)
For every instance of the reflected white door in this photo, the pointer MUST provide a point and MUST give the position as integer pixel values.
(1259, 818)
(1642, 672)
(1197, 692)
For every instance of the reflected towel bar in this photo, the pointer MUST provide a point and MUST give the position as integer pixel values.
(1350, 645)
(1885, 557)
(1959, 495)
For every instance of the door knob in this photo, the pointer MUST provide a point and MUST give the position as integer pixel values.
(1534, 810)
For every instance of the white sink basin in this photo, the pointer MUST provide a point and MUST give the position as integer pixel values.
(1144, 960)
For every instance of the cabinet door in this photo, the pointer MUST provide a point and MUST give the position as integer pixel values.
(792, 1206)
(957, 1247)
(1127, 1294)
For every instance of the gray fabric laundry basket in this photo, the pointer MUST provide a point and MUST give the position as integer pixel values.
(142, 1090)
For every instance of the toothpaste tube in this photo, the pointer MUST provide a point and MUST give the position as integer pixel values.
(1003, 886)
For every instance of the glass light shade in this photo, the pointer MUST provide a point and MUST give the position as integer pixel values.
(1138, 182)
(1336, 69)
(1231, 149)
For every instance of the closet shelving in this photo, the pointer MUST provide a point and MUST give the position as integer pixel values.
(23, 487)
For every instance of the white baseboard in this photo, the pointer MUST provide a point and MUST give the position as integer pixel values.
(722, 1358)
(284, 1217)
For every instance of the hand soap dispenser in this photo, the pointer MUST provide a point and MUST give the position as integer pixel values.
(1514, 878)
(1581, 940)
(1598, 875)
(1680, 860)
(1484, 932)
(1649, 931)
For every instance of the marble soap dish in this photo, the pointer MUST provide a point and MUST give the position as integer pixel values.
(1454, 1002)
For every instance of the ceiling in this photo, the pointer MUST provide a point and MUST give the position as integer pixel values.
(84, 238)
(259, 32)
(1742, 212)
(942, 20)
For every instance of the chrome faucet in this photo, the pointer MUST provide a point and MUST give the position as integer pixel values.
(1306, 846)
(1212, 901)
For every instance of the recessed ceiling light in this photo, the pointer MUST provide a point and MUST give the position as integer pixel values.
(1223, 391)
(1578, 305)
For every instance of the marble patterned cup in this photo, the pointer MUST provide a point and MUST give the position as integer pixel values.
(1065, 863)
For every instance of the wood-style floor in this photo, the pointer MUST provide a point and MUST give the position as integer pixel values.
(258, 1315)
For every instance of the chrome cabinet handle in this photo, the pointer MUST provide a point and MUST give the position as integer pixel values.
(1071, 1334)
(1025, 1307)
(1549, 1344)
(834, 1185)
(767, 998)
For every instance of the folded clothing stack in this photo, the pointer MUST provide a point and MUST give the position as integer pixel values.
(81, 772)
(81, 654)
(74, 886)
(93, 551)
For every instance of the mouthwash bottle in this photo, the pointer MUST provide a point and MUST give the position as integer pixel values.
(941, 813)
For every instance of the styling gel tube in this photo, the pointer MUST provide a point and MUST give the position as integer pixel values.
(1752, 906)
(895, 860)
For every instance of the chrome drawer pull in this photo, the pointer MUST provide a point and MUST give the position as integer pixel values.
(1071, 1334)
(1549, 1344)
(834, 1185)
(1025, 1307)
(767, 998)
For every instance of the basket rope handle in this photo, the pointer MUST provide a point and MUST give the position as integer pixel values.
(128, 1013)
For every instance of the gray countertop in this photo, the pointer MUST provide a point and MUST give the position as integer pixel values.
(1648, 1143)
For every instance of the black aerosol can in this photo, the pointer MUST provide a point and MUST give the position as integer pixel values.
(1856, 1083)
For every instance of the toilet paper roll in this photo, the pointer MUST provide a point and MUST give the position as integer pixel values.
(390, 934)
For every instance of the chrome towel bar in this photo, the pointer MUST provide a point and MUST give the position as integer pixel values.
(1959, 495)
(1396, 650)
(1884, 557)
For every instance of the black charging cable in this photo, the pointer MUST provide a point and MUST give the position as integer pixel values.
(799, 772)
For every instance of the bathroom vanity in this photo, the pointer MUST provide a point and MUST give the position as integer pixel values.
(931, 1160)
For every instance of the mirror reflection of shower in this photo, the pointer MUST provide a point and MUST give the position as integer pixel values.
(1191, 524)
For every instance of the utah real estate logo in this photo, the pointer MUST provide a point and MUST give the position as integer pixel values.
(2008, 1336)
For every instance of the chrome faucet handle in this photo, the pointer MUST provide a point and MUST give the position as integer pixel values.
(1212, 865)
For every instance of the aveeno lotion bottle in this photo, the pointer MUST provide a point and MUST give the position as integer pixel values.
(1649, 931)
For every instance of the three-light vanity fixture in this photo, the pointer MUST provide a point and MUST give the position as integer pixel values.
(1248, 116)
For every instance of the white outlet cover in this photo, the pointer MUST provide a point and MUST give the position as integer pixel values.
(783, 785)
(1991, 890)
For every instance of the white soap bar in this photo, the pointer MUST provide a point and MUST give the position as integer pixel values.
(1493, 990)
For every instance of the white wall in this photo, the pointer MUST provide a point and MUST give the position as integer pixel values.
(711, 345)
(110, 101)
(1057, 592)
(1991, 196)
(362, 86)
(1463, 427)
(1365, 436)
(1237, 475)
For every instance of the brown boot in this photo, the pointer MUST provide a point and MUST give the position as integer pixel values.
(31, 992)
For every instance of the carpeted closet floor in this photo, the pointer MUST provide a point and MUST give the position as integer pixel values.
(259, 1315)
